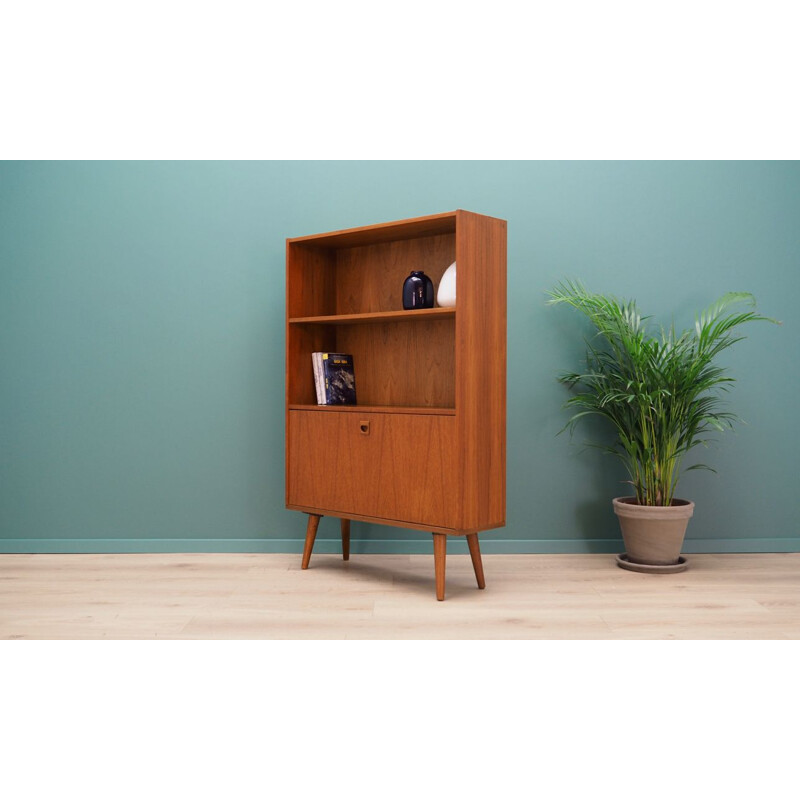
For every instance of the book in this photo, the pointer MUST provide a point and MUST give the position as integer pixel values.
(340, 379)
(319, 381)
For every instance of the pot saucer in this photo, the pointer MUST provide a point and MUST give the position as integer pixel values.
(655, 569)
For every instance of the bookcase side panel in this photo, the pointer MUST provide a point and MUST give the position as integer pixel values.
(481, 369)
(302, 341)
(309, 291)
(310, 280)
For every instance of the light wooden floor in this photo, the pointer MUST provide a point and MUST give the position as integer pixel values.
(255, 596)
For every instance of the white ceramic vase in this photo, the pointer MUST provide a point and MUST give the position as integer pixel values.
(446, 296)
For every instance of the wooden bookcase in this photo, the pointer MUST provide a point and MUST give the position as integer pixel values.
(425, 448)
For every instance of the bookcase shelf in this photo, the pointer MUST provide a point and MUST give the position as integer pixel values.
(359, 409)
(417, 315)
(425, 447)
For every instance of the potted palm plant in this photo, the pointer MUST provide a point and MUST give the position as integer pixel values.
(661, 393)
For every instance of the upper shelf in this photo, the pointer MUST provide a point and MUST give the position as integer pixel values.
(377, 316)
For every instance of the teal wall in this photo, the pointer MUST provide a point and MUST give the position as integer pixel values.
(141, 346)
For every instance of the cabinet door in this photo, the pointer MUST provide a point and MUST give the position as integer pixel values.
(390, 466)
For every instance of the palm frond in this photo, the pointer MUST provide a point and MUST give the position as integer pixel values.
(661, 394)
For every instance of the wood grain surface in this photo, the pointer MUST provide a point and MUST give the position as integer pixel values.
(475, 555)
(370, 277)
(481, 369)
(402, 469)
(403, 363)
(431, 225)
(369, 318)
(268, 596)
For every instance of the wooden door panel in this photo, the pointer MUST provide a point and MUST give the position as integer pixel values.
(416, 470)
(403, 469)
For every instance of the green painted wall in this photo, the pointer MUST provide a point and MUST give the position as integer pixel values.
(141, 347)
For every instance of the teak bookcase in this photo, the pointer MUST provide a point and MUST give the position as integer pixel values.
(425, 447)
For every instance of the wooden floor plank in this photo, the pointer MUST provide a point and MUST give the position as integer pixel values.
(255, 596)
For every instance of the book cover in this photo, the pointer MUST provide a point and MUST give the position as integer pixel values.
(340, 379)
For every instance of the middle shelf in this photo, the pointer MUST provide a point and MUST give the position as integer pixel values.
(382, 409)
(377, 316)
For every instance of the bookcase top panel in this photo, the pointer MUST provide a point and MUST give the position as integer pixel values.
(416, 228)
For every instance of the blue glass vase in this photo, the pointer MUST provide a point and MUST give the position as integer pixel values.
(417, 291)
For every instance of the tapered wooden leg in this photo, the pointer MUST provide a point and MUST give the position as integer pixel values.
(346, 539)
(477, 564)
(311, 534)
(439, 554)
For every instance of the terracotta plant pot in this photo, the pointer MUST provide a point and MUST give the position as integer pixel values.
(653, 535)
